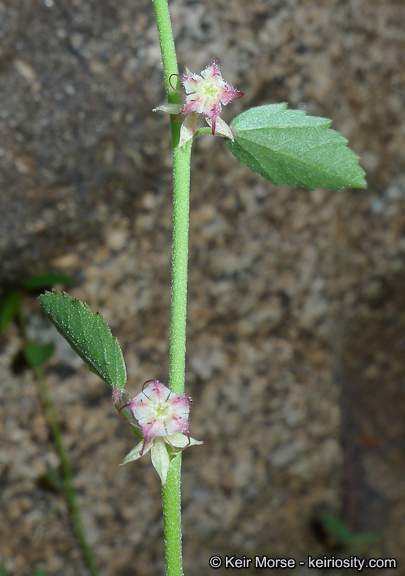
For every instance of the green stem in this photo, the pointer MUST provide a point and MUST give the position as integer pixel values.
(167, 48)
(67, 471)
(181, 193)
(69, 489)
(172, 519)
(171, 489)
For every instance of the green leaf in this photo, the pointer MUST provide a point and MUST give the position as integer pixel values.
(55, 480)
(289, 147)
(37, 354)
(338, 527)
(9, 309)
(88, 334)
(366, 539)
(42, 281)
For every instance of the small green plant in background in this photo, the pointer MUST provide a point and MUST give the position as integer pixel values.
(356, 544)
(36, 573)
(35, 355)
(285, 147)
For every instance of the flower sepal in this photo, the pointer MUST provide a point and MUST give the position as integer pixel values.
(169, 108)
(190, 124)
(159, 448)
(222, 128)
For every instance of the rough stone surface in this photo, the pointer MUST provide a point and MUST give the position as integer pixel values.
(296, 298)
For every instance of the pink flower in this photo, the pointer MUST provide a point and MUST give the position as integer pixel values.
(205, 93)
(160, 412)
(163, 419)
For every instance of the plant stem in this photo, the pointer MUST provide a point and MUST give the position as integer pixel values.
(69, 489)
(172, 519)
(67, 471)
(171, 489)
(181, 194)
(167, 47)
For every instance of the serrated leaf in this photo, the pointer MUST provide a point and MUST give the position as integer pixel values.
(37, 354)
(42, 281)
(289, 147)
(88, 334)
(9, 309)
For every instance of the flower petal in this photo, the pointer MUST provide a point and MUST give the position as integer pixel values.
(153, 428)
(156, 392)
(180, 404)
(140, 406)
(229, 94)
(176, 424)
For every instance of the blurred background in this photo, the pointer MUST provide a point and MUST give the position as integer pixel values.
(296, 332)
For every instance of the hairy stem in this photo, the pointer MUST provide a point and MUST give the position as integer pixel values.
(181, 193)
(181, 186)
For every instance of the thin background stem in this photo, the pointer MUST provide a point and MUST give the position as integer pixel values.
(68, 485)
(181, 192)
(69, 488)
